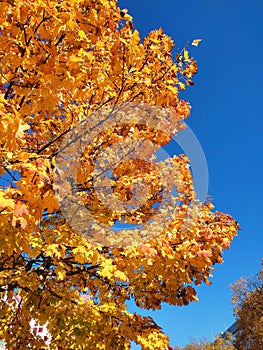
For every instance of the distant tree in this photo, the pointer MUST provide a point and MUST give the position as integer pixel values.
(219, 343)
(248, 307)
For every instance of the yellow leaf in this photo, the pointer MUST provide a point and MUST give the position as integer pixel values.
(124, 41)
(74, 58)
(6, 202)
(196, 42)
(120, 276)
(79, 253)
(182, 86)
(173, 89)
(107, 269)
(186, 55)
(106, 273)
(21, 129)
(53, 249)
(82, 34)
(60, 272)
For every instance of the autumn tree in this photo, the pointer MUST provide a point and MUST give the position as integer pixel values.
(219, 343)
(248, 307)
(77, 81)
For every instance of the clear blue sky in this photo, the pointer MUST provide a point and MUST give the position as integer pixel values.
(227, 119)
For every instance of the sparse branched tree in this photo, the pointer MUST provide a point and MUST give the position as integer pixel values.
(62, 63)
(248, 307)
(219, 343)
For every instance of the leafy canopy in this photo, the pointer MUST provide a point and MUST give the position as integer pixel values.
(61, 61)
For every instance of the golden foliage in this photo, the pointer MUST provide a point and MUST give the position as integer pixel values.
(60, 61)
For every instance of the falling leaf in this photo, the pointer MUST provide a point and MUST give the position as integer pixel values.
(196, 42)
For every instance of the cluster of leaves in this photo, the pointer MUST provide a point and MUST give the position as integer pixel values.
(59, 62)
(248, 307)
